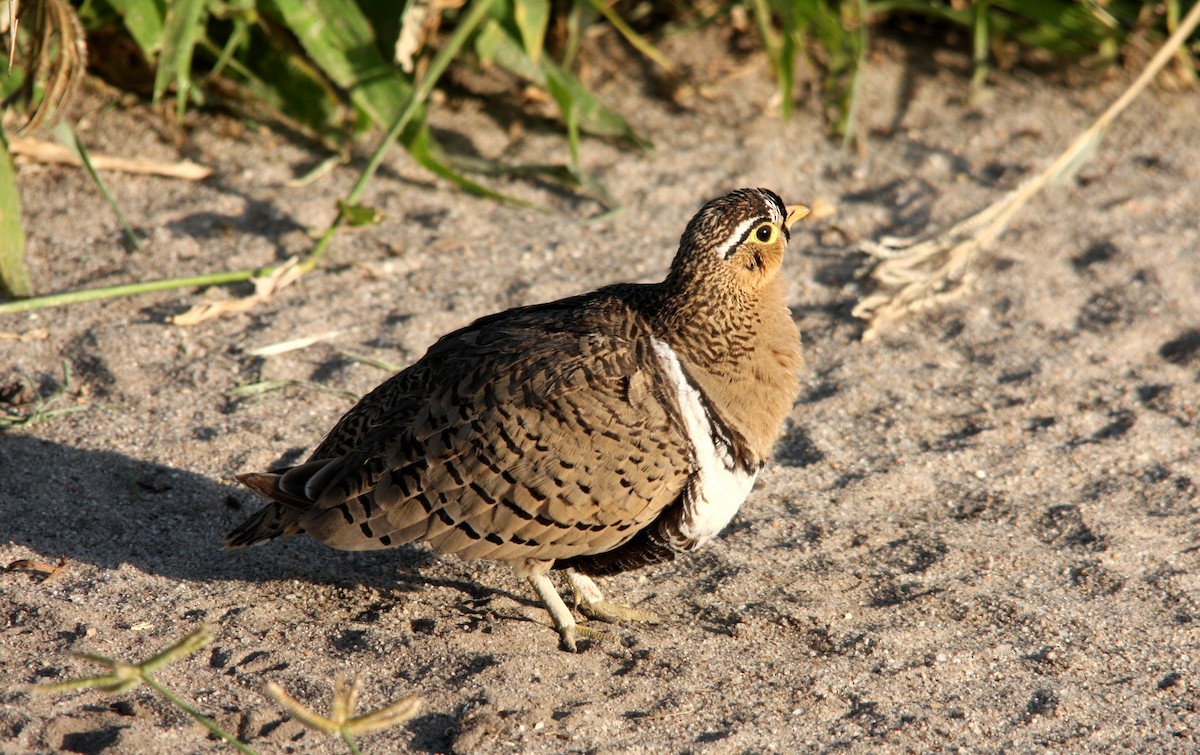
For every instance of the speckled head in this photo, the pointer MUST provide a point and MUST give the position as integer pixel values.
(739, 238)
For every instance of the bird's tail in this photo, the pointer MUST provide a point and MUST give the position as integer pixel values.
(275, 519)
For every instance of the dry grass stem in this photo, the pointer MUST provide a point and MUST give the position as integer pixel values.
(37, 334)
(51, 153)
(382, 364)
(295, 344)
(58, 59)
(125, 676)
(10, 25)
(920, 273)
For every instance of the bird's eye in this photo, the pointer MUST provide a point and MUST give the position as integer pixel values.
(765, 233)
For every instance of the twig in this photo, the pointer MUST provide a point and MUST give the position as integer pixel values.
(50, 570)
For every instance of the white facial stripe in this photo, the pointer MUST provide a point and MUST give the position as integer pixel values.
(719, 486)
(742, 230)
(735, 238)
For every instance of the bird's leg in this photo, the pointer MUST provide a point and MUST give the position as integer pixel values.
(591, 602)
(564, 622)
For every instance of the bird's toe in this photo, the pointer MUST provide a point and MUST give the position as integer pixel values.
(612, 613)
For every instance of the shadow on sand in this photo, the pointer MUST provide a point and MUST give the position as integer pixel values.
(108, 509)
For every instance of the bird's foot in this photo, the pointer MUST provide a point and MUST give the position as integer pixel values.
(591, 603)
(567, 635)
(564, 623)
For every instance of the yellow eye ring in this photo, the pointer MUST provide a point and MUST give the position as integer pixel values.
(766, 233)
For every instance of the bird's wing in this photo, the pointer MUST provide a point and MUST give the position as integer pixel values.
(544, 433)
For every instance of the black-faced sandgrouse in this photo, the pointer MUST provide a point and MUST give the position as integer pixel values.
(595, 434)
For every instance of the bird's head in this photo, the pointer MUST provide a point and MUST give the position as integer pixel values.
(739, 238)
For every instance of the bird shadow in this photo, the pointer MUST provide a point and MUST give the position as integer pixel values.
(107, 509)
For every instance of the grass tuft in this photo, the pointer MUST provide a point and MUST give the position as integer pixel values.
(123, 677)
(342, 721)
(43, 408)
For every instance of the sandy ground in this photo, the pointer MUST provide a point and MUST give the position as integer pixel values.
(979, 532)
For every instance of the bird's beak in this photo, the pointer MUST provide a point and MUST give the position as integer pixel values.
(796, 212)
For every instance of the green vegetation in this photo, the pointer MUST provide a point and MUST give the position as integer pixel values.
(14, 281)
(342, 722)
(41, 408)
(335, 69)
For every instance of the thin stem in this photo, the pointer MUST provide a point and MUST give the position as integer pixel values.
(631, 36)
(236, 38)
(475, 15)
(980, 44)
(850, 120)
(86, 159)
(131, 289)
(186, 707)
(349, 740)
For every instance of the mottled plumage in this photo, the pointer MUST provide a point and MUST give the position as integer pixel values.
(597, 433)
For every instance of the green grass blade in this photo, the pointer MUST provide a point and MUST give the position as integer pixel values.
(632, 37)
(349, 740)
(858, 44)
(402, 125)
(145, 20)
(283, 87)
(593, 117)
(199, 717)
(577, 20)
(183, 28)
(581, 110)
(422, 148)
(14, 280)
(568, 107)
(778, 47)
(532, 17)
(69, 136)
(981, 40)
(786, 73)
(237, 39)
(130, 289)
(493, 44)
(340, 40)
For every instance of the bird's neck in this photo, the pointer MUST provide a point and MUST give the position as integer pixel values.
(743, 350)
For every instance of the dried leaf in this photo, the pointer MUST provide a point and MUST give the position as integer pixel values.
(50, 570)
(264, 288)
